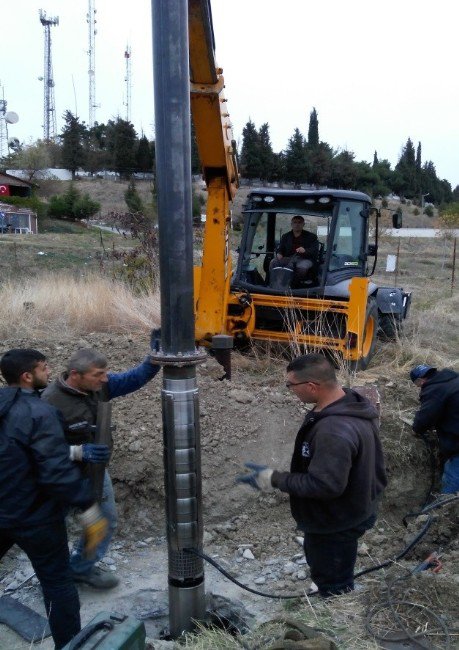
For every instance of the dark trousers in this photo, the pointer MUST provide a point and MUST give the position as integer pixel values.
(331, 558)
(46, 547)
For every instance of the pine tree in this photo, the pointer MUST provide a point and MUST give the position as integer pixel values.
(144, 159)
(72, 137)
(320, 161)
(408, 184)
(375, 159)
(265, 155)
(250, 152)
(122, 145)
(296, 167)
(313, 130)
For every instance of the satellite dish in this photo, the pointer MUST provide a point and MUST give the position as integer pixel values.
(14, 143)
(11, 117)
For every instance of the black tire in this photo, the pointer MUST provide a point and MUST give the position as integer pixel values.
(390, 325)
(370, 333)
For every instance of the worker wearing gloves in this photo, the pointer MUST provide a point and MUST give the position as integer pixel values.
(336, 475)
(439, 410)
(38, 483)
(76, 394)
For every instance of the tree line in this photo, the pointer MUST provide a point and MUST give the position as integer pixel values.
(310, 161)
(116, 147)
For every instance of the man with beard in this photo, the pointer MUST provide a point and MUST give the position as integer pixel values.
(38, 482)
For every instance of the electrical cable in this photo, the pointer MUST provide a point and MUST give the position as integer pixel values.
(416, 539)
(422, 630)
(223, 571)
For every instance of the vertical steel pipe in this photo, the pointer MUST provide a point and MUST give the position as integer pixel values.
(182, 458)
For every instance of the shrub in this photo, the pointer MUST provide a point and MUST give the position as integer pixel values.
(429, 211)
(72, 205)
(416, 212)
(384, 203)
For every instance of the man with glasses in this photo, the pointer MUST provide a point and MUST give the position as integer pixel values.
(336, 476)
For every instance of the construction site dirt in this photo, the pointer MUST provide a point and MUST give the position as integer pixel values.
(252, 536)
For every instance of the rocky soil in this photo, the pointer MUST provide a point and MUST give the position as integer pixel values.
(252, 536)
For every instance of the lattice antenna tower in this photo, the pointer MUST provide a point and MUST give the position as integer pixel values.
(49, 106)
(128, 81)
(3, 126)
(92, 31)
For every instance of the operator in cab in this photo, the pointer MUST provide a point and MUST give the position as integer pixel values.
(298, 249)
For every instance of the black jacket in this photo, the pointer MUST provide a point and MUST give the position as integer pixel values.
(337, 471)
(37, 479)
(309, 242)
(439, 399)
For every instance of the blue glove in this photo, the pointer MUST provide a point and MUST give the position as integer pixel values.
(260, 477)
(91, 453)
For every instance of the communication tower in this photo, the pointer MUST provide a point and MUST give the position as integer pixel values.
(92, 31)
(127, 79)
(49, 106)
(6, 117)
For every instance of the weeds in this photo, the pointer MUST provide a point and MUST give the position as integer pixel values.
(74, 306)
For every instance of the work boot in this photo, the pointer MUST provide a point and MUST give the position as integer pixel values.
(97, 578)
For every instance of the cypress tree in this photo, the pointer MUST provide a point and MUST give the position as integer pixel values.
(72, 137)
(313, 130)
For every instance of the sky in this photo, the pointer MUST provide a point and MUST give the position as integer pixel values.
(376, 72)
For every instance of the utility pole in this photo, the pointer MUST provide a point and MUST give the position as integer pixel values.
(127, 79)
(49, 106)
(91, 20)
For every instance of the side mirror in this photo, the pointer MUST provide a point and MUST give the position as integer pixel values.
(396, 220)
(372, 249)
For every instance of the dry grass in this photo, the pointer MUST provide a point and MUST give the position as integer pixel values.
(71, 306)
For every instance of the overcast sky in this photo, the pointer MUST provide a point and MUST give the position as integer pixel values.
(376, 72)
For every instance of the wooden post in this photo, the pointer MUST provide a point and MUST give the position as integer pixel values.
(397, 262)
(453, 273)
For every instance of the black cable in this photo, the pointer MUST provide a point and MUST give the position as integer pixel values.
(239, 584)
(439, 503)
(416, 539)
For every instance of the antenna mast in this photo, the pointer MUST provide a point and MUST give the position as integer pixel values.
(3, 126)
(127, 79)
(91, 20)
(49, 107)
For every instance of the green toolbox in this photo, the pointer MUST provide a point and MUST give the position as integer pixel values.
(110, 631)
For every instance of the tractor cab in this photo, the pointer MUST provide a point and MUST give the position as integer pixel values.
(337, 222)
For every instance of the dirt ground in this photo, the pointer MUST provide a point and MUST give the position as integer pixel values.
(254, 418)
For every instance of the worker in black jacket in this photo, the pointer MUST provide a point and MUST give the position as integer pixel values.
(298, 249)
(439, 398)
(336, 476)
(38, 482)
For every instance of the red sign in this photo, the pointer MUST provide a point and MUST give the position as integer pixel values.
(4, 190)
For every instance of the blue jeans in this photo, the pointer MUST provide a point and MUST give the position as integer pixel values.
(78, 562)
(450, 478)
(46, 546)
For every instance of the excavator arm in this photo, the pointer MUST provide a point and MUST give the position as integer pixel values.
(217, 152)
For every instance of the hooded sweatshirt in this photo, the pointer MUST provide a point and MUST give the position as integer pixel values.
(337, 472)
(37, 479)
(439, 399)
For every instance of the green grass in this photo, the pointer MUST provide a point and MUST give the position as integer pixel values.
(60, 245)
